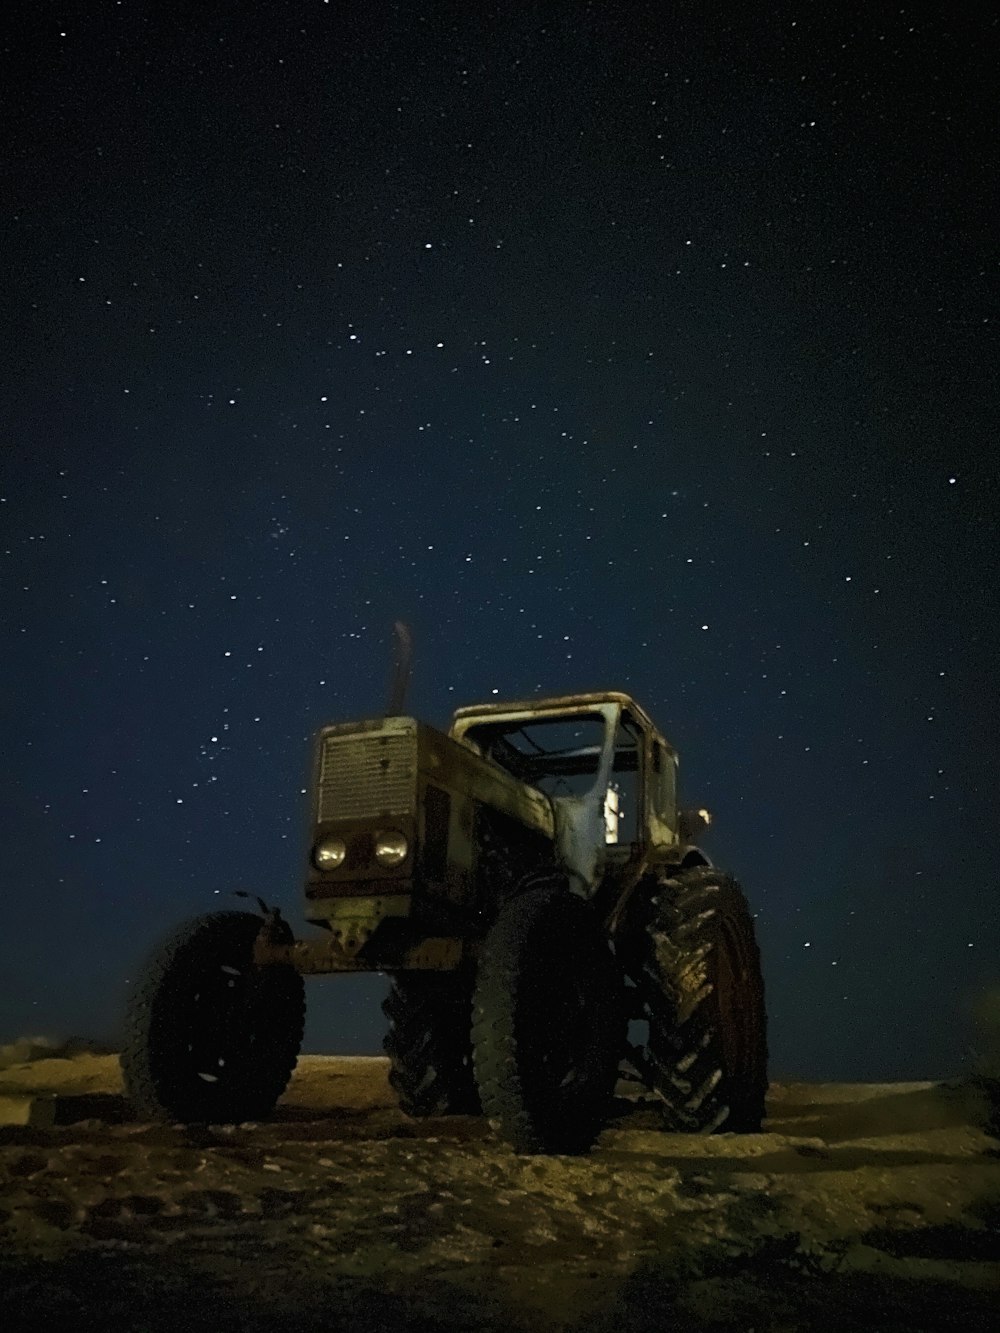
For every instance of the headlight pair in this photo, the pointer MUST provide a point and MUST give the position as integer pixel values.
(391, 849)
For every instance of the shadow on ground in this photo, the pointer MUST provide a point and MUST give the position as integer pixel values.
(765, 1293)
(892, 1113)
(120, 1291)
(769, 1290)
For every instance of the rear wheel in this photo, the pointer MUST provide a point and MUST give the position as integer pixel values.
(548, 1022)
(429, 1043)
(210, 1037)
(703, 996)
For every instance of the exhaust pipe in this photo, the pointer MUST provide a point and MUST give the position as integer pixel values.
(402, 654)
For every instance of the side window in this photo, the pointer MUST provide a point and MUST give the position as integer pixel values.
(662, 795)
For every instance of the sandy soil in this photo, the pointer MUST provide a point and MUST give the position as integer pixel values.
(861, 1207)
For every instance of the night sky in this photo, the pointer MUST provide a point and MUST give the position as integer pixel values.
(612, 346)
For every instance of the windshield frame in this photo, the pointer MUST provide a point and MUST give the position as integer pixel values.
(495, 739)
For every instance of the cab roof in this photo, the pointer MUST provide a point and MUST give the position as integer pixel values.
(559, 703)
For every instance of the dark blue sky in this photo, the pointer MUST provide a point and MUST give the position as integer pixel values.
(609, 351)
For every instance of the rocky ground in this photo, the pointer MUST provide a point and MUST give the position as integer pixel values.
(874, 1207)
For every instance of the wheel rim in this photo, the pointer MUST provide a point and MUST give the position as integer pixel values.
(216, 1029)
(557, 1048)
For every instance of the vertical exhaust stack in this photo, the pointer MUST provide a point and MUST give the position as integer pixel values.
(402, 657)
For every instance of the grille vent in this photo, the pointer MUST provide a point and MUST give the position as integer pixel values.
(367, 775)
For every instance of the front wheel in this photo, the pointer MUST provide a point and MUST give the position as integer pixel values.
(548, 1022)
(210, 1037)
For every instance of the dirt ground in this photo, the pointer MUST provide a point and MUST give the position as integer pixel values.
(861, 1207)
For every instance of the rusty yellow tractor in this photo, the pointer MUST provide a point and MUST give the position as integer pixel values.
(549, 923)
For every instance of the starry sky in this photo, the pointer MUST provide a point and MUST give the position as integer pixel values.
(630, 346)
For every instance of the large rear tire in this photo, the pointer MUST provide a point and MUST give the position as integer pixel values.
(429, 1043)
(703, 995)
(549, 1022)
(210, 1037)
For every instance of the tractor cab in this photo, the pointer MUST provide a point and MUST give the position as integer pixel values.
(608, 773)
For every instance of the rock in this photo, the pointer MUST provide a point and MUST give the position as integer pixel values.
(27, 1049)
(38, 1112)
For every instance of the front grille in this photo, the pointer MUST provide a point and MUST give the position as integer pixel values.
(367, 775)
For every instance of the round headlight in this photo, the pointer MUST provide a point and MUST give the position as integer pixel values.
(329, 853)
(390, 849)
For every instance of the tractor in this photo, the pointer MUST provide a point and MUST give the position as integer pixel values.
(548, 921)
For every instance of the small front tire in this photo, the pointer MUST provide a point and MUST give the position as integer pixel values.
(210, 1037)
